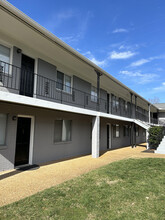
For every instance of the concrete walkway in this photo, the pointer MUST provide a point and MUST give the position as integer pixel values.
(22, 184)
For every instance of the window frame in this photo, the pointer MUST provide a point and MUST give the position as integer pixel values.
(94, 98)
(63, 83)
(10, 47)
(61, 141)
(126, 106)
(117, 103)
(4, 144)
(115, 126)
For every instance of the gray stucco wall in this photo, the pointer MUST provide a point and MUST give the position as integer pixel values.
(161, 114)
(115, 142)
(141, 138)
(103, 100)
(161, 117)
(82, 91)
(122, 140)
(44, 147)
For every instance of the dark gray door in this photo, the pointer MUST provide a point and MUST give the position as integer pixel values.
(22, 141)
(27, 76)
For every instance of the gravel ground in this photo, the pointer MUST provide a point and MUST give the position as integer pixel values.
(16, 185)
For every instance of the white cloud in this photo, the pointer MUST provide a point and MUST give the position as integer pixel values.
(159, 69)
(56, 19)
(119, 30)
(67, 17)
(140, 78)
(143, 61)
(121, 55)
(139, 62)
(160, 88)
(69, 39)
(90, 56)
(99, 63)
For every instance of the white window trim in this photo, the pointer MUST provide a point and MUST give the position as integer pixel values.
(92, 96)
(5, 44)
(71, 82)
(117, 126)
(2, 146)
(62, 142)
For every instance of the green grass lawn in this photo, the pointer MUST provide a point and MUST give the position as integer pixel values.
(128, 189)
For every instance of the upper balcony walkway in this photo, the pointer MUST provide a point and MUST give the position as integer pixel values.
(23, 82)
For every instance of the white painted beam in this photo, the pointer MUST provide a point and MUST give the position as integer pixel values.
(95, 136)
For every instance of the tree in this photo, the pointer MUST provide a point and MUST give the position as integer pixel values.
(154, 100)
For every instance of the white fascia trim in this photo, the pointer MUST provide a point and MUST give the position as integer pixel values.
(24, 100)
(110, 116)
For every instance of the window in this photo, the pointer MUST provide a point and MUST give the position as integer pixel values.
(117, 103)
(63, 82)
(113, 102)
(116, 131)
(4, 59)
(137, 131)
(93, 94)
(126, 130)
(3, 120)
(126, 106)
(62, 131)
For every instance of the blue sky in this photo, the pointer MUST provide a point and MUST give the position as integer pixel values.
(124, 37)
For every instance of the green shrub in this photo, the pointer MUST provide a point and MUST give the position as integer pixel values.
(155, 136)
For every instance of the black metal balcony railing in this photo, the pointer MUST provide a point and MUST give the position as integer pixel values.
(21, 81)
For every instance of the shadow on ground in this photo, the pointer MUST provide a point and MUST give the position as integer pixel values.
(19, 170)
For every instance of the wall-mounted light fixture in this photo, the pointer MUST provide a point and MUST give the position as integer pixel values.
(19, 50)
(14, 118)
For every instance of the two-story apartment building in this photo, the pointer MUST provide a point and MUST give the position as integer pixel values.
(57, 104)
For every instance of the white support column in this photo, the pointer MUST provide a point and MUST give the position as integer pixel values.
(95, 136)
(147, 139)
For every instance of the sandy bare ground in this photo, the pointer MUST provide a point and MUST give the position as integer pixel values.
(23, 184)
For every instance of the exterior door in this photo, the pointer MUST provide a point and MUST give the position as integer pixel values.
(22, 141)
(109, 136)
(27, 76)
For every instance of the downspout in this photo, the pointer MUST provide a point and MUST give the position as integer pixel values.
(98, 88)
(131, 104)
(135, 106)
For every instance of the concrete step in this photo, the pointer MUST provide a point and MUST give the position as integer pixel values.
(161, 147)
(160, 151)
